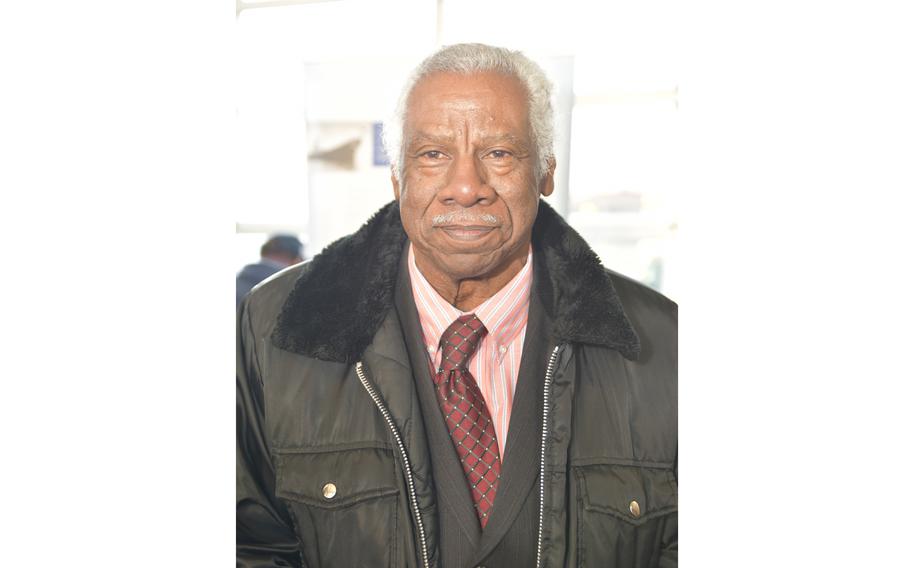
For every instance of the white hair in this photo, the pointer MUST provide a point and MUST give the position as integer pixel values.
(469, 58)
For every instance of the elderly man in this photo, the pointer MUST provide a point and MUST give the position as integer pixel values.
(460, 382)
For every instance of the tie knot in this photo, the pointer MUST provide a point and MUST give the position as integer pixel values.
(460, 340)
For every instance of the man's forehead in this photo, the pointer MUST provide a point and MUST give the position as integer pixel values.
(444, 106)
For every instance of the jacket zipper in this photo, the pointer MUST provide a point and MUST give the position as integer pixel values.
(361, 374)
(548, 382)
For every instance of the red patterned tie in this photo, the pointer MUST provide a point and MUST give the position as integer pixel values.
(466, 414)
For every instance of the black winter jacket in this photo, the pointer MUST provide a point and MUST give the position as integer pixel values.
(332, 460)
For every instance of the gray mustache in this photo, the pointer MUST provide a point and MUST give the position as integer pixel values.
(464, 218)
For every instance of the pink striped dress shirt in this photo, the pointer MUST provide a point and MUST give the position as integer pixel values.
(496, 361)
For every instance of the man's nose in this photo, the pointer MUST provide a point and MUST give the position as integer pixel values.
(467, 184)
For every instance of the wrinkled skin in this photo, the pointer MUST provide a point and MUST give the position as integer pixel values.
(468, 193)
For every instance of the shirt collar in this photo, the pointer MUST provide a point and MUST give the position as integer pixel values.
(504, 314)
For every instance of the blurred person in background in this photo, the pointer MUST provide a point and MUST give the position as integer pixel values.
(460, 382)
(279, 252)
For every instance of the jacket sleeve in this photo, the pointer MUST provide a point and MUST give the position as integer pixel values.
(265, 534)
(669, 551)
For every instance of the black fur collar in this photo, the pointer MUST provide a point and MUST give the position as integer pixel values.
(342, 297)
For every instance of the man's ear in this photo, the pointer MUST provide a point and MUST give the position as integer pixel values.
(546, 183)
(395, 186)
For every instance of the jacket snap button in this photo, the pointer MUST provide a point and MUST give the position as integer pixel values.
(635, 509)
(329, 490)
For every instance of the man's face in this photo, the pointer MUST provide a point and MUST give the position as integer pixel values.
(468, 192)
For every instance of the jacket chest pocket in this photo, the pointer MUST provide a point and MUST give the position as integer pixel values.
(626, 515)
(344, 504)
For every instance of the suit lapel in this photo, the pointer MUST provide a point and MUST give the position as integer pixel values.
(451, 485)
(520, 463)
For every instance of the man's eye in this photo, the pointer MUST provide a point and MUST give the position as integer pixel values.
(432, 154)
(500, 154)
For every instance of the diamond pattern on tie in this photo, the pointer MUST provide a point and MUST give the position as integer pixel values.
(467, 417)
